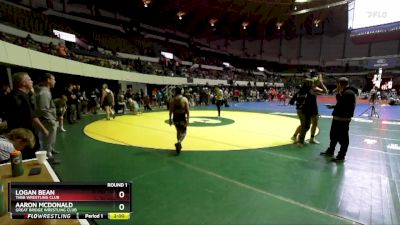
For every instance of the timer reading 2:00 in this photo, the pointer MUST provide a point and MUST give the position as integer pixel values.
(119, 216)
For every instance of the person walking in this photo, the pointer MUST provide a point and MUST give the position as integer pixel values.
(179, 116)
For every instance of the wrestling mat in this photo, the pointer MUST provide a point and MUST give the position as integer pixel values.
(235, 130)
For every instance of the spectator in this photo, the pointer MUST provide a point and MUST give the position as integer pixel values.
(21, 113)
(19, 139)
(61, 109)
(62, 51)
(107, 101)
(46, 111)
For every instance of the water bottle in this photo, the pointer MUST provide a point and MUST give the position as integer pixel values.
(16, 163)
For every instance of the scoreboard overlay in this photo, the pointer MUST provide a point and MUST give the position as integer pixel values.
(33, 200)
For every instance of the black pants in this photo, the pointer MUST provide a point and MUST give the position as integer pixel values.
(71, 112)
(339, 133)
(305, 122)
(219, 103)
(78, 108)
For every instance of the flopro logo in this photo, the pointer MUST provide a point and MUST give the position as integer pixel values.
(377, 14)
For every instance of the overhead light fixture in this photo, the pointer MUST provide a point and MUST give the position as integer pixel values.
(279, 25)
(180, 15)
(212, 21)
(146, 3)
(302, 1)
(244, 25)
(328, 6)
(316, 22)
(295, 7)
(226, 64)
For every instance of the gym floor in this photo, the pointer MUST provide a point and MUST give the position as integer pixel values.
(241, 168)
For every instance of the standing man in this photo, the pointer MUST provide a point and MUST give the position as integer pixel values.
(107, 101)
(71, 104)
(342, 113)
(21, 113)
(219, 99)
(179, 108)
(46, 111)
(78, 104)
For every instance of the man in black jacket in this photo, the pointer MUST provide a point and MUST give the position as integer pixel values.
(21, 112)
(342, 113)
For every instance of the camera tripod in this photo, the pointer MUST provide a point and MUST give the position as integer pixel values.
(372, 111)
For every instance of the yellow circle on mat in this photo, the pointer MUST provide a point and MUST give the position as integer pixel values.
(247, 131)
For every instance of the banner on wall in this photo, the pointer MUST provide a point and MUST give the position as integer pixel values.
(383, 63)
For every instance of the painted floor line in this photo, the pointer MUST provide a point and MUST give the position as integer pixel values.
(372, 128)
(362, 135)
(372, 150)
(282, 156)
(308, 161)
(146, 174)
(246, 186)
(265, 192)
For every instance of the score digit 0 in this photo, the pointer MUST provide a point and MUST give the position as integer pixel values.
(121, 194)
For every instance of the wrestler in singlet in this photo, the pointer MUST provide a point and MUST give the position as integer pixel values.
(179, 116)
(179, 110)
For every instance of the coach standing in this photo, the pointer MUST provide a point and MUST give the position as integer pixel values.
(342, 113)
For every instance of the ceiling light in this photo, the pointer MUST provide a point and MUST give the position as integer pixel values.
(331, 5)
(279, 25)
(244, 25)
(180, 15)
(146, 3)
(212, 21)
(316, 22)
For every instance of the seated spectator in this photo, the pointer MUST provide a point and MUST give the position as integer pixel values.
(134, 106)
(3, 36)
(146, 103)
(47, 48)
(29, 42)
(121, 104)
(19, 139)
(62, 51)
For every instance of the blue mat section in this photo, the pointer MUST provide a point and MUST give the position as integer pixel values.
(386, 112)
